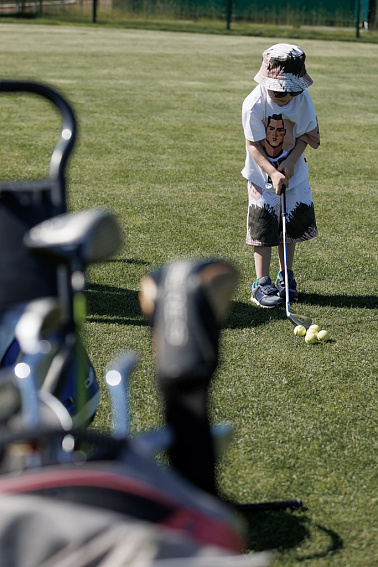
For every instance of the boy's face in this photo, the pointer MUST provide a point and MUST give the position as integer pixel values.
(280, 101)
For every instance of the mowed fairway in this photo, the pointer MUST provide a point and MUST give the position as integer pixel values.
(160, 144)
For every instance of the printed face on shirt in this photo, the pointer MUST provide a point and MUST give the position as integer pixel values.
(274, 135)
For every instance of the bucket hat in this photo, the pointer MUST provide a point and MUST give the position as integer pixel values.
(283, 69)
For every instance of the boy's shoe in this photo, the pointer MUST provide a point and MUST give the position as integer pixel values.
(265, 294)
(280, 283)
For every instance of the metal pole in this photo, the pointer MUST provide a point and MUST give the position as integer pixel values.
(228, 13)
(94, 14)
(358, 10)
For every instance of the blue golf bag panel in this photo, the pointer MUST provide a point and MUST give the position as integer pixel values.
(67, 388)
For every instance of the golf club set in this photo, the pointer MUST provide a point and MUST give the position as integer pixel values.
(70, 495)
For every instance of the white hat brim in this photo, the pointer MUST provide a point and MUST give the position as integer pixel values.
(289, 83)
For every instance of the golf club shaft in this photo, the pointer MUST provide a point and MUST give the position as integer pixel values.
(283, 212)
(117, 381)
(294, 318)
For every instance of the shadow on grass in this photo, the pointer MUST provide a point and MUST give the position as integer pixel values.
(127, 261)
(356, 301)
(247, 315)
(110, 304)
(284, 530)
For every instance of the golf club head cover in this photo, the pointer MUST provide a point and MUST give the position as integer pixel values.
(186, 303)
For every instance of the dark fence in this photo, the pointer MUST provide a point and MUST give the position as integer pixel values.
(341, 13)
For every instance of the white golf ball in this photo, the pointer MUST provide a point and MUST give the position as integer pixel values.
(300, 331)
(314, 329)
(323, 336)
(311, 338)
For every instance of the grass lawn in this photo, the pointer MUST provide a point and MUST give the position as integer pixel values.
(161, 144)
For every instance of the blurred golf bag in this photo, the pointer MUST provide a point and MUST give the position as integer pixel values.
(25, 278)
(73, 497)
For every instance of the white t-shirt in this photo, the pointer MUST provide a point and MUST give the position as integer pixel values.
(292, 121)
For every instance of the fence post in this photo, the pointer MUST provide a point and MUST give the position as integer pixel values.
(358, 10)
(228, 13)
(94, 11)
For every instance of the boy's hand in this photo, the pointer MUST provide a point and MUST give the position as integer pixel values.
(287, 168)
(279, 181)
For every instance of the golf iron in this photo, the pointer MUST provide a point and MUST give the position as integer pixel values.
(293, 317)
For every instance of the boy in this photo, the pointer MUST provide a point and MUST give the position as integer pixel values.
(279, 121)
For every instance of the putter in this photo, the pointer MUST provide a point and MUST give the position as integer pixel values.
(293, 317)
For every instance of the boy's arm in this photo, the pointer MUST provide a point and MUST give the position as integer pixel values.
(257, 153)
(312, 138)
(288, 165)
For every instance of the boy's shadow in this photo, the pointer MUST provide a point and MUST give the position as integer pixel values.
(352, 301)
(246, 315)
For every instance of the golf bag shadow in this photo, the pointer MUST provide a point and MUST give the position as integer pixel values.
(25, 278)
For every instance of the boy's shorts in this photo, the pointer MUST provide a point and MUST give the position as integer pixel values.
(264, 225)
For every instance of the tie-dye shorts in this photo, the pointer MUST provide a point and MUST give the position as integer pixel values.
(264, 226)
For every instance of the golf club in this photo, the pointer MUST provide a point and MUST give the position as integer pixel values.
(72, 242)
(293, 317)
(117, 381)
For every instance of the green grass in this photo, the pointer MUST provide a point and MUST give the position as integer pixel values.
(161, 144)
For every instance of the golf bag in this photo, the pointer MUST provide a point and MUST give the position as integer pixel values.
(114, 505)
(24, 277)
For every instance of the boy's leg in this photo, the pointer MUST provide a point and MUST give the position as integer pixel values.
(280, 282)
(290, 251)
(263, 233)
(264, 292)
(262, 256)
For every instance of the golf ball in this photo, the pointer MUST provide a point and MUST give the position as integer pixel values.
(314, 329)
(311, 338)
(323, 336)
(299, 331)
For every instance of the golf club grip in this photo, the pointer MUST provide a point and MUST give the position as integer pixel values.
(283, 200)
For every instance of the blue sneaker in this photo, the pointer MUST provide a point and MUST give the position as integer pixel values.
(280, 284)
(265, 294)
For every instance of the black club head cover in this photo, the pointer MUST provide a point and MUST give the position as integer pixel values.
(187, 303)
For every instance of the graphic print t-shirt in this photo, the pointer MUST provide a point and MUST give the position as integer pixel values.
(277, 128)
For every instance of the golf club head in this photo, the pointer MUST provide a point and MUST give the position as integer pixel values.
(87, 237)
(187, 302)
(300, 320)
(39, 317)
